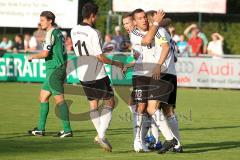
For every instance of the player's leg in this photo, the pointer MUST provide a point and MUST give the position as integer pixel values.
(173, 124)
(62, 107)
(44, 109)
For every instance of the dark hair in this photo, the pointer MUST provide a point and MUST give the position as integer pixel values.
(126, 15)
(88, 9)
(139, 10)
(50, 16)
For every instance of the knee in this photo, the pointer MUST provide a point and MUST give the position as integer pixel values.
(110, 102)
(43, 99)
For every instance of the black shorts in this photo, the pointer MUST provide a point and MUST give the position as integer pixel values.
(98, 89)
(164, 90)
(140, 88)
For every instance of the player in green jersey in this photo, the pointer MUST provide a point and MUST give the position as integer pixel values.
(55, 59)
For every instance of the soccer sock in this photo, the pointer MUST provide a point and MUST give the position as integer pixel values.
(134, 124)
(105, 119)
(146, 123)
(44, 108)
(132, 108)
(173, 124)
(138, 126)
(155, 131)
(94, 115)
(162, 124)
(64, 115)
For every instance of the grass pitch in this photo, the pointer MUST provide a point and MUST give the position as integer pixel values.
(209, 124)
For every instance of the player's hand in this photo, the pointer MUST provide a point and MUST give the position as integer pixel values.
(119, 64)
(125, 68)
(158, 17)
(30, 58)
(157, 72)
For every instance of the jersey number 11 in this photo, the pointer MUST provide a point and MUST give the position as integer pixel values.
(80, 45)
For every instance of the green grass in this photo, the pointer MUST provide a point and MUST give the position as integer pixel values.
(209, 123)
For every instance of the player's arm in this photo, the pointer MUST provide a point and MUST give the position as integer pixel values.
(162, 40)
(40, 55)
(102, 58)
(148, 38)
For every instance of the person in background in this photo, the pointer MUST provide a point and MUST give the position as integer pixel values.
(39, 35)
(6, 44)
(118, 38)
(195, 43)
(18, 43)
(109, 43)
(182, 46)
(30, 43)
(174, 36)
(68, 44)
(187, 33)
(215, 47)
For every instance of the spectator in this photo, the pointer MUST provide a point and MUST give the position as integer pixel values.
(68, 44)
(182, 46)
(200, 34)
(118, 38)
(39, 35)
(215, 47)
(195, 43)
(109, 44)
(18, 43)
(174, 36)
(30, 43)
(6, 44)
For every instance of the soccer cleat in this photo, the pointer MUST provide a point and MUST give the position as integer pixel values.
(167, 145)
(138, 146)
(158, 145)
(63, 134)
(36, 132)
(178, 150)
(105, 144)
(96, 140)
(144, 148)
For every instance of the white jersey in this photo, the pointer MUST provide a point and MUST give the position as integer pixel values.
(150, 55)
(87, 45)
(162, 36)
(146, 60)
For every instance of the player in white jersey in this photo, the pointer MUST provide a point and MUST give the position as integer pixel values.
(142, 81)
(170, 76)
(129, 26)
(91, 72)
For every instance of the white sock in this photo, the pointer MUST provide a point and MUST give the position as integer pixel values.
(173, 124)
(162, 124)
(138, 126)
(132, 108)
(94, 115)
(134, 124)
(105, 119)
(146, 123)
(155, 131)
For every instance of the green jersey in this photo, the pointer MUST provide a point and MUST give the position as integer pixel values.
(54, 43)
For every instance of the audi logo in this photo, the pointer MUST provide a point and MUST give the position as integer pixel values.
(184, 67)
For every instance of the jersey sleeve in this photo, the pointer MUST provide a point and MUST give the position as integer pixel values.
(135, 38)
(49, 41)
(96, 43)
(162, 36)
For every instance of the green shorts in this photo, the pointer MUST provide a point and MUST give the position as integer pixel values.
(54, 81)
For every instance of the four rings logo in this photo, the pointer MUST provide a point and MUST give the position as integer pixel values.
(184, 67)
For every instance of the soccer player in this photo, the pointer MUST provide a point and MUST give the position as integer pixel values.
(129, 26)
(170, 76)
(146, 78)
(91, 72)
(55, 56)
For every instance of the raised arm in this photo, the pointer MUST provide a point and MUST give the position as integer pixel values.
(188, 29)
(158, 17)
